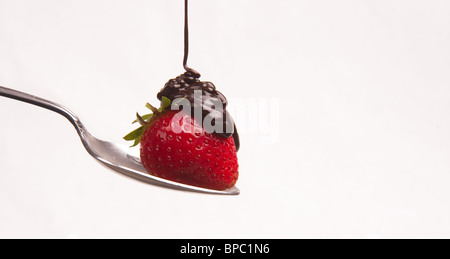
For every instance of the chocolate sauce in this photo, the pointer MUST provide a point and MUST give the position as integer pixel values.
(211, 102)
(186, 42)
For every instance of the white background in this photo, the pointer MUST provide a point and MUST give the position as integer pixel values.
(363, 125)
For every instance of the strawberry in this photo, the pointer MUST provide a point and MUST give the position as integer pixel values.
(175, 146)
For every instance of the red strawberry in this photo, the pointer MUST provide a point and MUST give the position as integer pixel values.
(174, 146)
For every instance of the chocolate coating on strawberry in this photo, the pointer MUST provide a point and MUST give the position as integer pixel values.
(203, 97)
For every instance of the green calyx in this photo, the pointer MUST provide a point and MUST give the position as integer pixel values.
(146, 120)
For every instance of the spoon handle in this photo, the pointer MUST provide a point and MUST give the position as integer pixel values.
(49, 105)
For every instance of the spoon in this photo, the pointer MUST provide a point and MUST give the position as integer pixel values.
(109, 154)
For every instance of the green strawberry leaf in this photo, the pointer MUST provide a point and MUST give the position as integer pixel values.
(135, 134)
(151, 107)
(146, 120)
(140, 120)
(165, 102)
(145, 117)
(177, 102)
(137, 141)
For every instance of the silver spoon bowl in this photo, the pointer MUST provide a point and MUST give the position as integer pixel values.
(109, 154)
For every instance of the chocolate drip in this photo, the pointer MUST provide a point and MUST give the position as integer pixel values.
(210, 102)
(194, 73)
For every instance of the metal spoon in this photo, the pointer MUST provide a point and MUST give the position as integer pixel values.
(109, 154)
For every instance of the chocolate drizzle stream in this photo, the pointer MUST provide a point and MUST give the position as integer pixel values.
(185, 86)
(194, 73)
